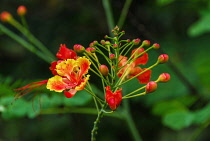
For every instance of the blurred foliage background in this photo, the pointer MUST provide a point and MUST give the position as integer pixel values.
(177, 111)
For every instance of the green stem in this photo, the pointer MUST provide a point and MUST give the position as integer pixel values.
(109, 15)
(124, 13)
(130, 122)
(199, 130)
(24, 43)
(95, 127)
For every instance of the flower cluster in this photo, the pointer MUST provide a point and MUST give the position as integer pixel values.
(122, 62)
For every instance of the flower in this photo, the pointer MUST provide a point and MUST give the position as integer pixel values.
(132, 69)
(70, 75)
(113, 99)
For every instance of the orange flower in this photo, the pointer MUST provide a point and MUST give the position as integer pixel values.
(113, 99)
(70, 75)
(132, 69)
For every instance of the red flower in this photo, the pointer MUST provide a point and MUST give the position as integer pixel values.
(132, 69)
(70, 75)
(113, 99)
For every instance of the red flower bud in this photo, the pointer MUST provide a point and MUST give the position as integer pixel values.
(5, 16)
(156, 46)
(102, 42)
(146, 43)
(78, 48)
(136, 41)
(21, 10)
(164, 77)
(104, 70)
(107, 43)
(115, 46)
(151, 87)
(112, 56)
(163, 58)
(90, 49)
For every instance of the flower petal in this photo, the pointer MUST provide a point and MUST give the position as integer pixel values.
(65, 53)
(70, 93)
(143, 59)
(82, 84)
(56, 84)
(84, 64)
(144, 77)
(113, 99)
(66, 67)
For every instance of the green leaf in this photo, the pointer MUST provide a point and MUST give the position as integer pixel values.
(178, 120)
(80, 98)
(202, 115)
(166, 107)
(18, 108)
(201, 26)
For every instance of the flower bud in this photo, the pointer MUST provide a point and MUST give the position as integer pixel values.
(102, 42)
(78, 48)
(115, 46)
(112, 56)
(146, 43)
(90, 49)
(21, 10)
(104, 70)
(164, 77)
(5, 16)
(163, 58)
(136, 41)
(156, 46)
(151, 87)
(106, 36)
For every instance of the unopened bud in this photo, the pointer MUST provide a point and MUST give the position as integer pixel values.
(78, 48)
(164, 77)
(128, 40)
(5, 16)
(146, 43)
(151, 87)
(136, 41)
(106, 36)
(112, 56)
(102, 42)
(115, 46)
(156, 46)
(90, 49)
(21, 10)
(163, 58)
(104, 70)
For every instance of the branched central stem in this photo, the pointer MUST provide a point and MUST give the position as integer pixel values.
(96, 122)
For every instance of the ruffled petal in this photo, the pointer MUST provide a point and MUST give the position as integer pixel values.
(65, 53)
(113, 99)
(82, 84)
(84, 65)
(66, 67)
(143, 59)
(144, 77)
(70, 93)
(56, 84)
